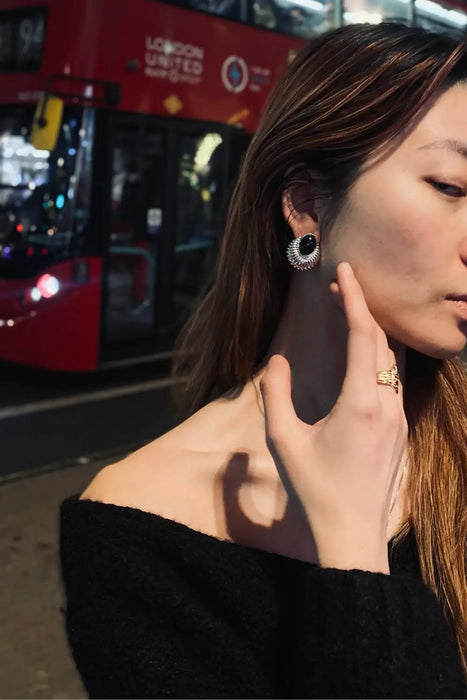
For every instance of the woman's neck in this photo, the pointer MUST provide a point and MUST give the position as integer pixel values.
(312, 335)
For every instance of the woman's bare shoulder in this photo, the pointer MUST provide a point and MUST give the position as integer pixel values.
(153, 469)
(190, 452)
(173, 476)
(207, 474)
(122, 481)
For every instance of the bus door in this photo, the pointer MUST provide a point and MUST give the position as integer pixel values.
(169, 187)
(197, 218)
(203, 161)
(131, 253)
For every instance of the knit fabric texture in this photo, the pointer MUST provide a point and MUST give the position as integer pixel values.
(158, 610)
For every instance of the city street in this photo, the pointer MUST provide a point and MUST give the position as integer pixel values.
(161, 164)
(48, 420)
(56, 432)
(34, 658)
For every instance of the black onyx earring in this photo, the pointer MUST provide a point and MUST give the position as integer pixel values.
(304, 253)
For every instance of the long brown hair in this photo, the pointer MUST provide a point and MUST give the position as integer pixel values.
(348, 93)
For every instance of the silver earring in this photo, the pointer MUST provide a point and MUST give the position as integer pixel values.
(304, 253)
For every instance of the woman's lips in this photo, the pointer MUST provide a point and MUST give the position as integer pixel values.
(460, 304)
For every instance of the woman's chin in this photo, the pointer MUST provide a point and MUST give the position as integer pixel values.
(440, 341)
(447, 346)
(439, 352)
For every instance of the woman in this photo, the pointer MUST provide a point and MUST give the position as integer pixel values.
(283, 540)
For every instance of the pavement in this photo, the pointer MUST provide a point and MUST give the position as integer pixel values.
(35, 661)
(66, 427)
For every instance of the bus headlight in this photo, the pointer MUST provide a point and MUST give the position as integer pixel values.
(47, 286)
(35, 294)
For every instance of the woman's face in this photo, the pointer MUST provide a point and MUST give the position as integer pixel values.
(403, 228)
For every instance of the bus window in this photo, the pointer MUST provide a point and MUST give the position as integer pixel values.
(375, 11)
(230, 9)
(135, 225)
(200, 198)
(44, 196)
(295, 17)
(440, 17)
(300, 18)
(429, 14)
(266, 14)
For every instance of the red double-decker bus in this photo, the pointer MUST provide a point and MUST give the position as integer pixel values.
(106, 238)
(108, 226)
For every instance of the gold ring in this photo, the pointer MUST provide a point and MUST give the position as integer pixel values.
(389, 377)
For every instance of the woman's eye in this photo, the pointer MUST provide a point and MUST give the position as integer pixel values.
(447, 189)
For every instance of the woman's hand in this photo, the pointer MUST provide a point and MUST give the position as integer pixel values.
(343, 469)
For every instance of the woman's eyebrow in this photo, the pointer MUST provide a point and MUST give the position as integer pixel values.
(448, 144)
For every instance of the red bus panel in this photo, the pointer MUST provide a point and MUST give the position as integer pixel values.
(59, 333)
(168, 61)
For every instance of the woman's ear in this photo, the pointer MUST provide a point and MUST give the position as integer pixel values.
(298, 207)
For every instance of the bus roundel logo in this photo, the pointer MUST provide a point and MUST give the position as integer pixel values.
(234, 74)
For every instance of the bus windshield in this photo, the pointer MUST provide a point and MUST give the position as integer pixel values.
(44, 196)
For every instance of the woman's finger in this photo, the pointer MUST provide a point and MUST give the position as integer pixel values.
(362, 344)
(386, 360)
(276, 390)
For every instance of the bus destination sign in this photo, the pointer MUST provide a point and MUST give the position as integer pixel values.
(22, 34)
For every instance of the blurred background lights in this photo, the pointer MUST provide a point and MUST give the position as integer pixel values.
(48, 285)
(35, 294)
(205, 150)
(60, 201)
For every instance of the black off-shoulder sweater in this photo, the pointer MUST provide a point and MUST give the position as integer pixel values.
(158, 610)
